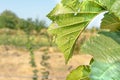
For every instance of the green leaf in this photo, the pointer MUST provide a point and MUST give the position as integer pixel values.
(106, 3)
(80, 73)
(73, 4)
(101, 70)
(104, 47)
(113, 6)
(111, 22)
(67, 24)
(116, 8)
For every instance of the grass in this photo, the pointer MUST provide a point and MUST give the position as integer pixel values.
(19, 39)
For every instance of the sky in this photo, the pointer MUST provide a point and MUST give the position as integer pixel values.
(35, 9)
(29, 8)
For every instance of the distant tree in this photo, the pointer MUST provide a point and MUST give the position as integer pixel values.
(8, 19)
(2, 22)
(21, 24)
(29, 25)
(39, 25)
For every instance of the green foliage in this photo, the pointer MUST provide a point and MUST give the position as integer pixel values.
(44, 62)
(30, 48)
(71, 17)
(28, 26)
(9, 19)
(68, 25)
(105, 49)
(19, 39)
(110, 22)
(108, 46)
(80, 73)
(39, 25)
(105, 71)
(110, 5)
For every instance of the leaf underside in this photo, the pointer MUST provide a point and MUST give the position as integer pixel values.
(113, 6)
(105, 49)
(105, 71)
(68, 23)
(110, 22)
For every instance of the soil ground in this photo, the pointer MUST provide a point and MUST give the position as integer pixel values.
(14, 63)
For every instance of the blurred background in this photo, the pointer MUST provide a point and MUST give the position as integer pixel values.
(27, 51)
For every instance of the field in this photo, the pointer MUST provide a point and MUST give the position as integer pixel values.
(14, 64)
(14, 58)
